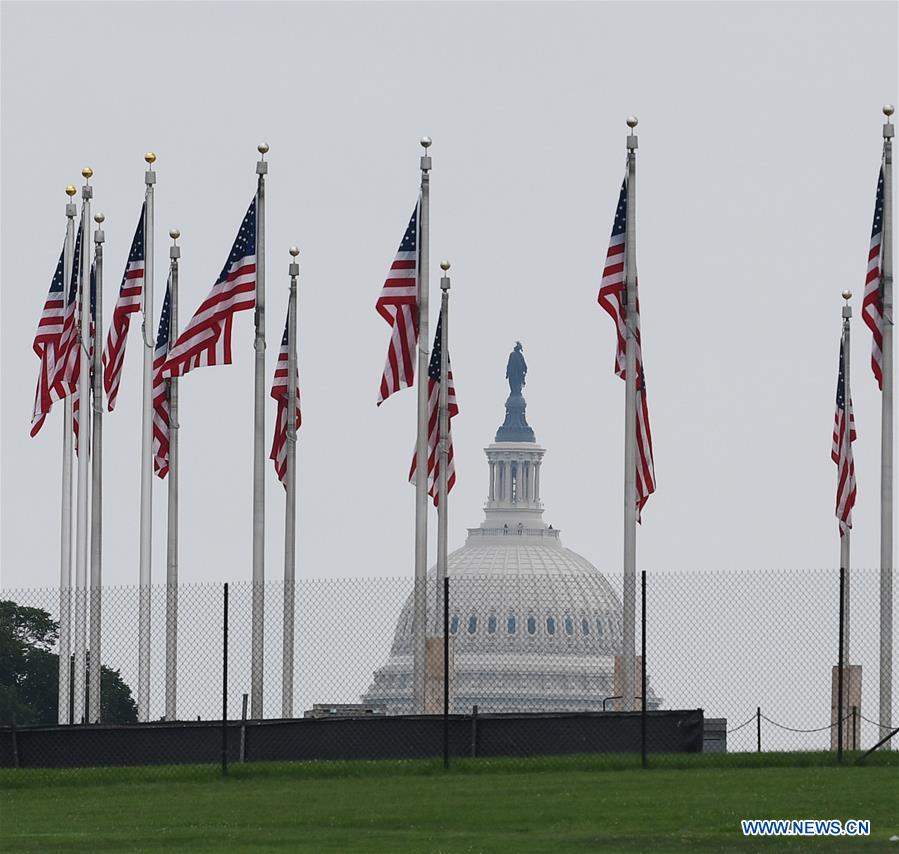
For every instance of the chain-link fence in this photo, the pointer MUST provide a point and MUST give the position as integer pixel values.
(518, 663)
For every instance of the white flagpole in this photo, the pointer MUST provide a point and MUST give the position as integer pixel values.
(844, 539)
(290, 521)
(886, 440)
(146, 458)
(171, 561)
(65, 560)
(630, 430)
(96, 582)
(421, 447)
(84, 444)
(258, 607)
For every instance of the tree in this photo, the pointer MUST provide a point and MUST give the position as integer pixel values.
(29, 672)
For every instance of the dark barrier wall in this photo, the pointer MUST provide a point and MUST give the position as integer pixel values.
(395, 737)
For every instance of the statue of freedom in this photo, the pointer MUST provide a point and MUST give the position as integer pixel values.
(516, 369)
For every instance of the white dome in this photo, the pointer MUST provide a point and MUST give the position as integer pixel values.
(534, 626)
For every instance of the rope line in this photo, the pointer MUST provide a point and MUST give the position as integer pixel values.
(745, 723)
(816, 729)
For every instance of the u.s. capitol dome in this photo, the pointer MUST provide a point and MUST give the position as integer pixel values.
(534, 626)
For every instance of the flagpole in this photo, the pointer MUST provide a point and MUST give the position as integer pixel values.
(258, 607)
(421, 447)
(443, 414)
(290, 520)
(65, 558)
(84, 444)
(146, 458)
(845, 529)
(96, 583)
(886, 439)
(171, 558)
(630, 429)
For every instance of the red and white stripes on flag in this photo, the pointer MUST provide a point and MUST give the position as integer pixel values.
(434, 423)
(280, 392)
(872, 304)
(130, 300)
(206, 340)
(46, 345)
(398, 305)
(612, 297)
(161, 420)
(841, 453)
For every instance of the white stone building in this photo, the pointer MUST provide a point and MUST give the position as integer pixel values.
(534, 626)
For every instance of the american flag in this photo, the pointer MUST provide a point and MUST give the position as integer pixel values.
(76, 396)
(279, 392)
(161, 388)
(872, 304)
(434, 423)
(46, 344)
(612, 297)
(841, 453)
(65, 369)
(206, 340)
(130, 301)
(398, 305)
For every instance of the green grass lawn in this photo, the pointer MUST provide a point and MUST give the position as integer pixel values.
(684, 803)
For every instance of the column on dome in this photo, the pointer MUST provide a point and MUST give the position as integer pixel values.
(507, 474)
(526, 481)
(491, 492)
(537, 482)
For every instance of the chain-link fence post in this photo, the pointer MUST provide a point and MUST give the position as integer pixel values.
(225, 682)
(643, 757)
(758, 729)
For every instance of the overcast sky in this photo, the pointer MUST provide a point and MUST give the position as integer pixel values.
(759, 149)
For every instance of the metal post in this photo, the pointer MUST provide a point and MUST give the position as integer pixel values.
(758, 729)
(243, 729)
(630, 425)
(84, 443)
(290, 520)
(65, 540)
(171, 556)
(225, 681)
(421, 448)
(258, 618)
(96, 578)
(886, 439)
(855, 727)
(446, 680)
(844, 529)
(840, 669)
(146, 456)
(474, 731)
(643, 757)
(15, 744)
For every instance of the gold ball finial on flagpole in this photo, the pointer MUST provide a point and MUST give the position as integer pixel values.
(425, 142)
(70, 190)
(888, 110)
(262, 148)
(847, 295)
(87, 172)
(444, 265)
(294, 251)
(99, 218)
(632, 121)
(174, 233)
(150, 157)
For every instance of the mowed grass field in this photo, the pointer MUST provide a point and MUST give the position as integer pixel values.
(685, 803)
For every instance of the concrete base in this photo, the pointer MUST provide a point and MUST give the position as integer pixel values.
(852, 699)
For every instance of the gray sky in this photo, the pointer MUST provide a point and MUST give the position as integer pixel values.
(759, 149)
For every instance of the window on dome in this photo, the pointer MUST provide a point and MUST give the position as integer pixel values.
(599, 628)
(532, 626)
(569, 626)
(511, 625)
(585, 626)
(550, 626)
(472, 624)
(491, 625)
(454, 624)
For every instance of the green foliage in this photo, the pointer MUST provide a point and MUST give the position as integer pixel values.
(29, 672)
